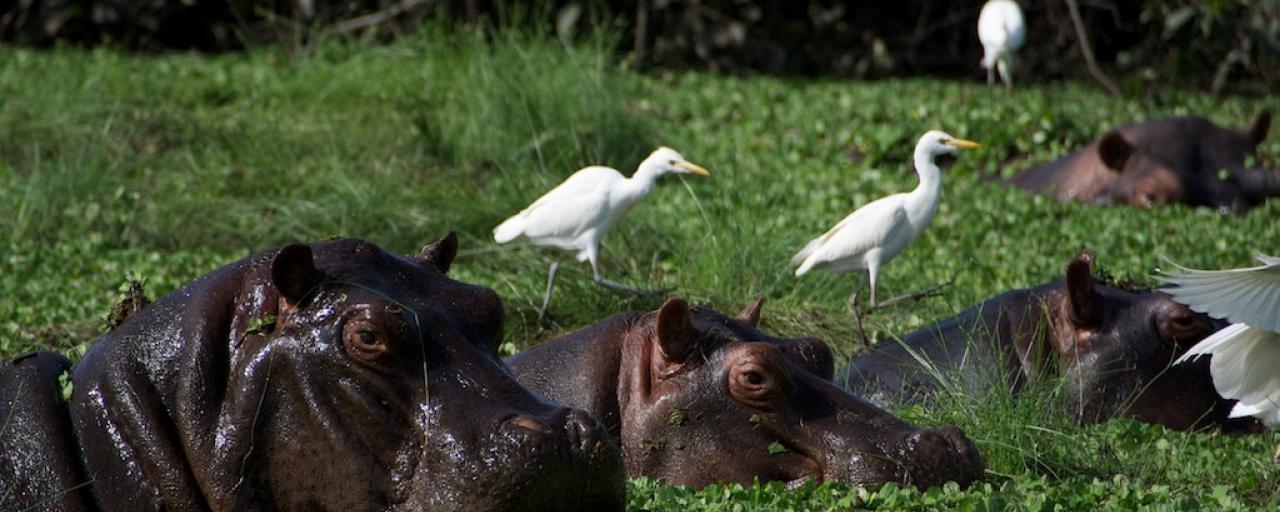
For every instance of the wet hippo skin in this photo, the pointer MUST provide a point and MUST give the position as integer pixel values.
(328, 376)
(1114, 347)
(694, 397)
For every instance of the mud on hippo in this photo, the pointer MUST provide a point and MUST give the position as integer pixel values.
(695, 397)
(1113, 348)
(325, 376)
(1184, 159)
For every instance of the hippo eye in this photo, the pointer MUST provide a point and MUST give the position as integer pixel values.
(363, 340)
(1183, 327)
(752, 385)
(752, 380)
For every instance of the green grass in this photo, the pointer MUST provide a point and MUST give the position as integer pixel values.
(116, 167)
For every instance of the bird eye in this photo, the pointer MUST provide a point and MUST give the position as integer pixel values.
(671, 162)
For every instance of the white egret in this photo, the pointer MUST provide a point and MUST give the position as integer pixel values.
(578, 213)
(871, 236)
(1245, 363)
(1001, 30)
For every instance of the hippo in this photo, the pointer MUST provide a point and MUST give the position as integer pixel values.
(694, 397)
(331, 375)
(1114, 348)
(1185, 159)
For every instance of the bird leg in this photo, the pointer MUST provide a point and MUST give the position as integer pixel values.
(857, 317)
(546, 296)
(614, 285)
(915, 295)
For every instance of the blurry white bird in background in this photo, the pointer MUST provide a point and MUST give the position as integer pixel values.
(578, 213)
(1001, 30)
(871, 236)
(1245, 362)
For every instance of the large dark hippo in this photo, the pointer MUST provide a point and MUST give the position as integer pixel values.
(695, 397)
(1185, 159)
(325, 376)
(1113, 346)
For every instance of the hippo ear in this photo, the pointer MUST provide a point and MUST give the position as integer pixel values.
(1257, 130)
(1114, 151)
(675, 330)
(1085, 308)
(293, 272)
(440, 253)
(751, 313)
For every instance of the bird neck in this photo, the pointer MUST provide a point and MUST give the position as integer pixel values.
(642, 182)
(930, 176)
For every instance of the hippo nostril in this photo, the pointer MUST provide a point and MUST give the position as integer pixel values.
(530, 424)
(581, 428)
(927, 437)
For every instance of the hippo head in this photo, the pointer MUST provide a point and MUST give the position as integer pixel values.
(331, 375)
(1116, 347)
(1187, 159)
(1140, 178)
(714, 399)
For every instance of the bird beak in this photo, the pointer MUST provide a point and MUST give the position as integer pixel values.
(693, 168)
(963, 144)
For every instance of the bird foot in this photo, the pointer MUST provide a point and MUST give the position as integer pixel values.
(614, 285)
(931, 292)
(857, 319)
(546, 321)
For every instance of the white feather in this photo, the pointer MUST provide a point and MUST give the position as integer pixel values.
(1245, 363)
(562, 216)
(1246, 295)
(878, 224)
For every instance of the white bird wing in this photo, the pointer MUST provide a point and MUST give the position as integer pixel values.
(1245, 367)
(570, 209)
(864, 229)
(1245, 295)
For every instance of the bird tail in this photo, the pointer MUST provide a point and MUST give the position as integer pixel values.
(509, 230)
(805, 265)
(805, 252)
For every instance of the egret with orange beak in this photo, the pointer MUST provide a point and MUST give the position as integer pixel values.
(578, 213)
(872, 235)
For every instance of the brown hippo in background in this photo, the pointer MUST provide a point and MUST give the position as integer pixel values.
(326, 376)
(1185, 159)
(1113, 346)
(695, 397)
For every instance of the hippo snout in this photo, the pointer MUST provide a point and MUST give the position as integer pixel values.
(586, 435)
(567, 432)
(936, 456)
(559, 452)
